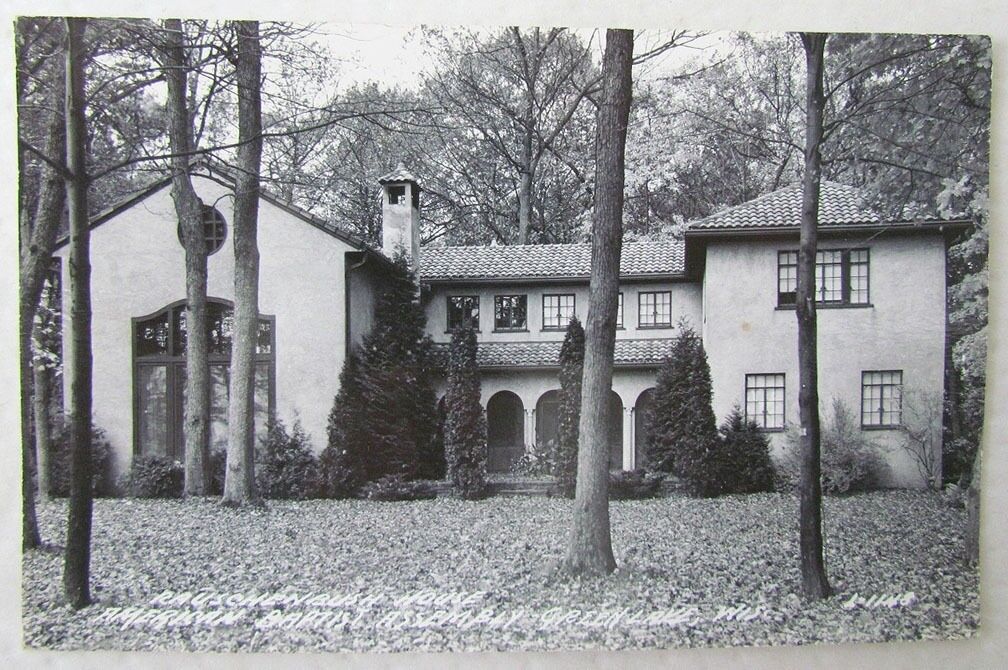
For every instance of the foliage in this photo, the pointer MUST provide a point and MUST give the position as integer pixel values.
(465, 429)
(572, 354)
(850, 462)
(742, 460)
(59, 462)
(218, 469)
(535, 460)
(392, 488)
(153, 477)
(386, 419)
(342, 460)
(681, 422)
(286, 468)
(634, 484)
(922, 433)
(735, 549)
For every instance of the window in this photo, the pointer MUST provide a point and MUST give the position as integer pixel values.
(841, 277)
(159, 387)
(396, 194)
(557, 311)
(509, 312)
(619, 311)
(654, 309)
(463, 312)
(214, 229)
(881, 398)
(764, 400)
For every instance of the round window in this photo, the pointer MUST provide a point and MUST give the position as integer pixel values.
(214, 229)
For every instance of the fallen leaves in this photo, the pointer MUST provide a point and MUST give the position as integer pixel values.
(672, 552)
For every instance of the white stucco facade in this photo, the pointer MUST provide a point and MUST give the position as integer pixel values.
(138, 267)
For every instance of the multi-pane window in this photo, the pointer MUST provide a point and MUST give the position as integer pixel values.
(510, 312)
(557, 311)
(841, 277)
(619, 311)
(214, 229)
(654, 309)
(463, 312)
(881, 398)
(764, 400)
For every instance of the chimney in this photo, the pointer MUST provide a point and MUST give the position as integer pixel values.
(401, 214)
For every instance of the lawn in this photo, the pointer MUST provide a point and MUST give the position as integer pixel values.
(455, 575)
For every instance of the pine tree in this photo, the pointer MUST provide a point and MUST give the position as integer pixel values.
(742, 461)
(571, 365)
(465, 430)
(681, 422)
(397, 399)
(341, 462)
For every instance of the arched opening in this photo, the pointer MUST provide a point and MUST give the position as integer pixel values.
(641, 436)
(614, 420)
(159, 377)
(505, 431)
(547, 420)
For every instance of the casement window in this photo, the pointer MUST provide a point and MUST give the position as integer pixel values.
(510, 312)
(619, 311)
(557, 311)
(159, 378)
(841, 277)
(654, 309)
(214, 229)
(764, 400)
(463, 312)
(881, 398)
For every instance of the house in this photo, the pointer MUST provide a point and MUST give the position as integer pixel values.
(880, 290)
(315, 297)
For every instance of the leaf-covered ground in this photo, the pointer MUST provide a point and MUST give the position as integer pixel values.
(455, 575)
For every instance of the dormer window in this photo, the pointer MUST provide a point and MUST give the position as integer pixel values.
(396, 194)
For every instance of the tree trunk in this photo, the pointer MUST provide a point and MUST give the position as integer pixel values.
(590, 547)
(189, 210)
(43, 427)
(77, 559)
(239, 479)
(813, 569)
(36, 257)
(525, 185)
(973, 514)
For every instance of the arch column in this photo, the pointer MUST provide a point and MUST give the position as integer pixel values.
(628, 444)
(530, 436)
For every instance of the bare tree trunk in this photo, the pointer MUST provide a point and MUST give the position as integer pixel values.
(36, 256)
(239, 479)
(189, 210)
(590, 547)
(43, 423)
(813, 568)
(973, 514)
(77, 559)
(525, 183)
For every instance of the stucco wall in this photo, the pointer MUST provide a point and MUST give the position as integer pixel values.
(903, 329)
(138, 266)
(685, 302)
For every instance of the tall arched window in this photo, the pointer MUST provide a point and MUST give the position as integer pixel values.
(159, 346)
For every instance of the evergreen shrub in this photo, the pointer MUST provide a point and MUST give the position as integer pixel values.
(572, 354)
(286, 467)
(684, 439)
(465, 429)
(743, 463)
(154, 477)
(102, 483)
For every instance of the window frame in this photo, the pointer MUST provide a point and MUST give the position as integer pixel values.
(510, 329)
(174, 365)
(640, 310)
(619, 311)
(561, 325)
(211, 216)
(783, 400)
(449, 328)
(846, 289)
(882, 386)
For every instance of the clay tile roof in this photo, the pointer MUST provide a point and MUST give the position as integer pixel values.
(649, 352)
(839, 205)
(399, 174)
(533, 261)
